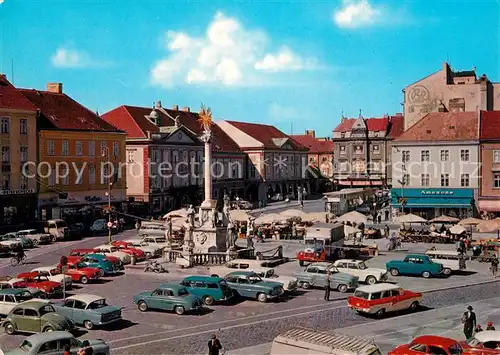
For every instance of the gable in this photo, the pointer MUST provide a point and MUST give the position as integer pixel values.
(287, 145)
(359, 124)
(180, 136)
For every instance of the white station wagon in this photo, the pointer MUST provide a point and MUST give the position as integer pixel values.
(451, 260)
(53, 274)
(358, 268)
(113, 251)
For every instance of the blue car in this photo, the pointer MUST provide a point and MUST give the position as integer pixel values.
(99, 261)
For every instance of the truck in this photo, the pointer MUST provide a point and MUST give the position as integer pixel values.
(322, 244)
(303, 341)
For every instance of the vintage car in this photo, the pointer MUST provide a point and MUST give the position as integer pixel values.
(209, 289)
(8, 241)
(359, 269)
(314, 275)
(415, 265)
(382, 298)
(35, 236)
(76, 254)
(168, 297)
(26, 243)
(82, 273)
(248, 284)
(35, 317)
(53, 343)
(4, 249)
(42, 282)
(89, 311)
(483, 343)
(9, 282)
(138, 254)
(110, 250)
(429, 344)
(101, 262)
(155, 241)
(11, 297)
(151, 251)
(451, 260)
(54, 274)
(77, 230)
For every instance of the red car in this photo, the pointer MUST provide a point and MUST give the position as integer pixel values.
(42, 283)
(76, 255)
(431, 344)
(130, 250)
(80, 272)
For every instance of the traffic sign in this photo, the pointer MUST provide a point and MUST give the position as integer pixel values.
(110, 224)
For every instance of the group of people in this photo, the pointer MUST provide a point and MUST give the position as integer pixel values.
(86, 349)
(471, 327)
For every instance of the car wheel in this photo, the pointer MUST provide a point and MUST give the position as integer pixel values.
(9, 328)
(179, 310)
(35, 242)
(84, 280)
(88, 325)
(305, 285)
(447, 271)
(53, 238)
(426, 274)
(394, 272)
(342, 288)
(143, 306)
(262, 297)
(414, 306)
(48, 329)
(208, 300)
(380, 313)
(101, 272)
(371, 280)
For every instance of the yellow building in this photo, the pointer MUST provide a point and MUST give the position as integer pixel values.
(81, 157)
(18, 199)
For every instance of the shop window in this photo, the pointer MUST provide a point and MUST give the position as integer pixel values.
(464, 180)
(79, 148)
(496, 156)
(496, 180)
(464, 155)
(5, 125)
(445, 155)
(445, 180)
(405, 156)
(23, 126)
(424, 178)
(424, 155)
(91, 148)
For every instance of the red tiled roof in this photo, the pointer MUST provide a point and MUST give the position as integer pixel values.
(397, 126)
(264, 134)
(11, 98)
(490, 125)
(62, 112)
(132, 120)
(314, 145)
(444, 126)
(373, 124)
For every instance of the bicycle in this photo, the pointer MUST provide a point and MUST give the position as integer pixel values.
(16, 261)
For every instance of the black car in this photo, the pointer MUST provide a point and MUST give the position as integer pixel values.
(77, 230)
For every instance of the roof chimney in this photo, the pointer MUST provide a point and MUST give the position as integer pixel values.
(175, 107)
(311, 132)
(186, 109)
(158, 104)
(56, 88)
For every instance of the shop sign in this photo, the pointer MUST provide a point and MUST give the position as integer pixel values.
(438, 193)
(17, 192)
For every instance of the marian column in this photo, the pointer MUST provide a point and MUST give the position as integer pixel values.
(207, 139)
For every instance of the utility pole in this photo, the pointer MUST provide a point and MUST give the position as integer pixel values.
(106, 152)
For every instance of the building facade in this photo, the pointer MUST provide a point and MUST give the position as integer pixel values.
(165, 158)
(276, 164)
(361, 151)
(436, 166)
(489, 194)
(449, 91)
(81, 157)
(18, 144)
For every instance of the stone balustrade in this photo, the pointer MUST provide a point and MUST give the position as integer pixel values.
(212, 258)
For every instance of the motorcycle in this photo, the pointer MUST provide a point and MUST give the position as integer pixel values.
(155, 266)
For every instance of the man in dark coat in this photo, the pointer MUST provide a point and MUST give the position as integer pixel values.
(214, 346)
(327, 286)
(469, 322)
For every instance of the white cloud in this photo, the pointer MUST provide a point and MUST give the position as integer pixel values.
(281, 113)
(228, 55)
(1, 2)
(69, 58)
(354, 14)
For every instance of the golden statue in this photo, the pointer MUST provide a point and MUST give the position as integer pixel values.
(205, 119)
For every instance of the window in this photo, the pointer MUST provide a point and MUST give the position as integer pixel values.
(30, 313)
(5, 154)
(79, 305)
(445, 180)
(496, 180)
(6, 182)
(23, 154)
(376, 149)
(424, 155)
(424, 179)
(65, 148)
(91, 148)
(405, 156)
(48, 347)
(406, 179)
(342, 149)
(23, 183)
(23, 126)
(51, 148)
(130, 156)
(116, 149)
(464, 155)
(419, 347)
(434, 350)
(9, 299)
(104, 148)
(343, 166)
(342, 135)
(358, 149)
(5, 125)
(92, 174)
(496, 156)
(79, 148)
(464, 180)
(18, 312)
(445, 155)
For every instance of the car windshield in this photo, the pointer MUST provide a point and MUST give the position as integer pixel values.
(80, 265)
(182, 292)
(270, 273)
(61, 224)
(473, 342)
(26, 346)
(46, 309)
(97, 304)
(362, 266)
(254, 279)
(361, 294)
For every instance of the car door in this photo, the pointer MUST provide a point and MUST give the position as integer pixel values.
(398, 302)
(320, 278)
(354, 270)
(79, 312)
(6, 304)
(245, 287)
(434, 350)
(169, 299)
(311, 274)
(49, 348)
(31, 321)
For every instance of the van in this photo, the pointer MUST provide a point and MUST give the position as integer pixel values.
(58, 228)
(450, 259)
(152, 229)
(308, 341)
(209, 289)
(332, 236)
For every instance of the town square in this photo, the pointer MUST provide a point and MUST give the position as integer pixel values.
(249, 178)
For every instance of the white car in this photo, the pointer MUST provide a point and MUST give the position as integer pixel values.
(113, 251)
(35, 236)
(53, 274)
(487, 339)
(158, 242)
(358, 268)
(11, 297)
(151, 251)
(8, 242)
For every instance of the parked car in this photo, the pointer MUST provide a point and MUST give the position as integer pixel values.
(4, 249)
(152, 229)
(36, 236)
(415, 265)
(77, 230)
(429, 344)
(53, 343)
(138, 254)
(110, 250)
(35, 317)
(89, 311)
(12, 282)
(314, 275)
(100, 226)
(26, 243)
(248, 284)
(58, 229)
(11, 297)
(101, 262)
(359, 269)
(483, 343)
(168, 297)
(451, 260)
(151, 251)
(382, 298)
(209, 289)
(158, 242)
(82, 273)
(42, 282)
(76, 256)
(54, 274)
(8, 241)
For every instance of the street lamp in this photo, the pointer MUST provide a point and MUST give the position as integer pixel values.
(403, 201)
(105, 153)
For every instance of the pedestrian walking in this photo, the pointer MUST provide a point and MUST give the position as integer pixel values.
(469, 322)
(214, 345)
(379, 218)
(67, 349)
(490, 326)
(137, 225)
(387, 231)
(494, 267)
(327, 286)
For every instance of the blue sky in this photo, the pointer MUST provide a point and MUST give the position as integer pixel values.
(293, 63)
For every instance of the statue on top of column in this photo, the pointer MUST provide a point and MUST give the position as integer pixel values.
(225, 209)
(205, 120)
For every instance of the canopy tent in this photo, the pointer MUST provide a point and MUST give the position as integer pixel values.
(348, 230)
(492, 225)
(238, 215)
(293, 213)
(470, 221)
(182, 213)
(444, 219)
(456, 229)
(353, 216)
(411, 218)
(269, 218)
(314, 217)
